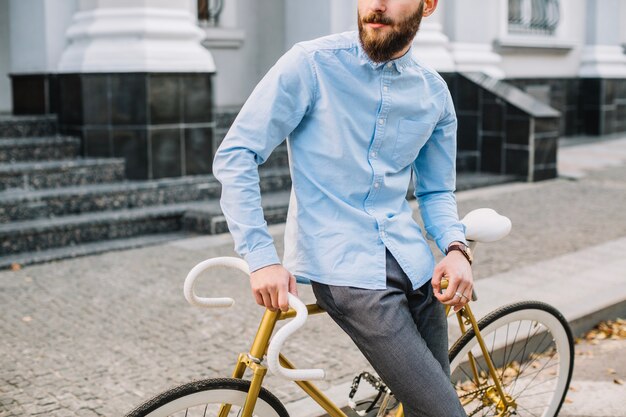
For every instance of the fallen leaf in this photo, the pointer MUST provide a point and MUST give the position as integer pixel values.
(611, 371)
(568, 401)
(573, 389)
(618, 381)
(27, 319)
(15, 266)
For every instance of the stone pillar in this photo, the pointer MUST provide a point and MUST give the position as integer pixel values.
(603, 69)
(603, 55)
(135, 82)
(472, 26)
(137, 36)
(432, 46)
(37, 38)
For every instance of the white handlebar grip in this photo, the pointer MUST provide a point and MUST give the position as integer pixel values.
(190, 281)
(279, 338)
(486, 225)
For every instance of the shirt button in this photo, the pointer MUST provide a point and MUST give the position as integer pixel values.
(373, 154)
(383, 233)
(381, 121)
(376, 185)
(389, 65)
(385, 89)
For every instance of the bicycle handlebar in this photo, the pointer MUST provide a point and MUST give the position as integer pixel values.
(273, 351)
(190, 281)
(281, 335)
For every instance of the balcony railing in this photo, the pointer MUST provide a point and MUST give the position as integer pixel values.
(534, 17)
(209, 12)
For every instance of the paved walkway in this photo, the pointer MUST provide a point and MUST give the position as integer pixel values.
(96, 335)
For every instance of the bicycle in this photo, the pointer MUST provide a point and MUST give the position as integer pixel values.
(517, 360)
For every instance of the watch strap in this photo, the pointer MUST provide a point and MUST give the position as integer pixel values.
(460, 248)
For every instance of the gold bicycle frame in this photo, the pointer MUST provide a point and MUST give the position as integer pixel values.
(253, 360)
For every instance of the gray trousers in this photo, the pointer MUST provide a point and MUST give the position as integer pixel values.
(403, 333)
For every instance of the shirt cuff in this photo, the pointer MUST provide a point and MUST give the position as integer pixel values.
(259, 258)
(452, 236)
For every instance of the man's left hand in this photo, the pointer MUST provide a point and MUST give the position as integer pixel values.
(457, 270)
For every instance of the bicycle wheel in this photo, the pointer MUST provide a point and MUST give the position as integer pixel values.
(532, 349)
(203, 398)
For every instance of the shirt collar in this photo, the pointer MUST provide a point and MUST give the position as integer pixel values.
(399, 63)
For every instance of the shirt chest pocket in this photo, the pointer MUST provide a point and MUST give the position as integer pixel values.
(411, 136)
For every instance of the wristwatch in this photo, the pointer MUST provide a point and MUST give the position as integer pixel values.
(464, 249)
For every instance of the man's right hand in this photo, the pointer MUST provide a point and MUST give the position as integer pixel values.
(270, 286)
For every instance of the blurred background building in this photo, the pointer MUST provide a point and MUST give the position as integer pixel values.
(115, 107)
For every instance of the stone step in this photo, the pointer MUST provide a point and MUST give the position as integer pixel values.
(63, 232)
(74, 251)
(45, 239)
(467, 161)
(19, 205)
(38, 148)
(61, 173)
(27, 126)
(470, 181)
(206, 220)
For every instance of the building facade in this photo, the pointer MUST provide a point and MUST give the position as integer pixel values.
(132, 80)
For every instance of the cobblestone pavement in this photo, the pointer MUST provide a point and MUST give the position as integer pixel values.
(94, 336)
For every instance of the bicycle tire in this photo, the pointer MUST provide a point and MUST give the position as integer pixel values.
(203, 398)
(524, 360)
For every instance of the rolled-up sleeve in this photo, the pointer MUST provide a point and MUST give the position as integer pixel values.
(273, 110)
(435, 181)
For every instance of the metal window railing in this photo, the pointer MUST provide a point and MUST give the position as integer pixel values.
(209, 11)
(534, 17)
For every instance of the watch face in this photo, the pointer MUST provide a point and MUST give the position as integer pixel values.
(470, 255)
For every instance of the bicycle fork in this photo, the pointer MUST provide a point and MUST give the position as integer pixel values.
(254, 358)
(495, 395)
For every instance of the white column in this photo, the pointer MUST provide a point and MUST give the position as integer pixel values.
(472, 26)
(37, 34)
(432, 46)
(603, 55)
(5, 58)
(135, 36)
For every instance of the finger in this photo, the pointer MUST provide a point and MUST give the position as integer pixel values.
(258, 297)
(273, 292)
(293, 285)
(436, 280)
(283, 301)
(466, 289)
(448, 295)
(461, 301)
(267, 300)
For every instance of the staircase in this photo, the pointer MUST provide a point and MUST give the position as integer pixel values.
(55, 204)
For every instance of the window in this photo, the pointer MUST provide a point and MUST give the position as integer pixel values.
(209, 11)
(534, 17)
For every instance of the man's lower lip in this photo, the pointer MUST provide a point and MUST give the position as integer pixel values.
(376, 25)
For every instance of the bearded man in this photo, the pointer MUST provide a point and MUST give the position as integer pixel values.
(360, 113)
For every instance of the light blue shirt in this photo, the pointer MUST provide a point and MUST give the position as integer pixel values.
(354, 130)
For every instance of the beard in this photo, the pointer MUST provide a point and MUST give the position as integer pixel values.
(381, 46)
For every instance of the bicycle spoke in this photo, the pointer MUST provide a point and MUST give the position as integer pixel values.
(536, 374)
(528, 410)
(506, 338)
(533, 394)
(524, 351)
